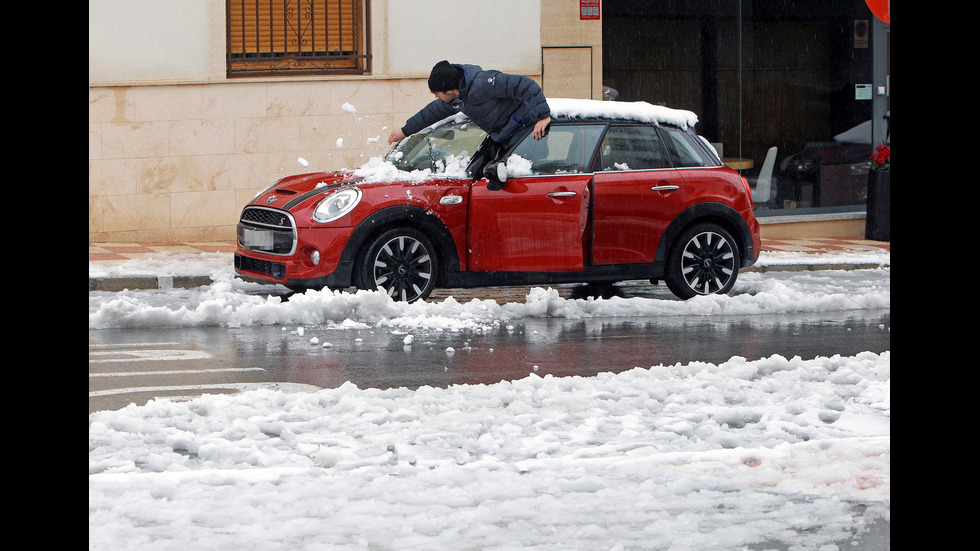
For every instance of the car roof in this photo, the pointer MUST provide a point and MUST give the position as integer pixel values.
(624, 110)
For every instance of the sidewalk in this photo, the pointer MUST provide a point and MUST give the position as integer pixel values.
(118, 266)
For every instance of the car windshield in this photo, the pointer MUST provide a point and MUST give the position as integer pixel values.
(439, 147)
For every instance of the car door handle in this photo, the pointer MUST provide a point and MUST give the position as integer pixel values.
(562, 194)
(664, 188)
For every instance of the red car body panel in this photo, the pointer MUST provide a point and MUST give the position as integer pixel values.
(519, 228)
(724, 185)
(533, 224)
(632, 211)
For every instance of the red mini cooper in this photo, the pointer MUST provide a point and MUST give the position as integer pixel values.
(614, 191)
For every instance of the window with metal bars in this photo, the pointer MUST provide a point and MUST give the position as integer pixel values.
(270, 37)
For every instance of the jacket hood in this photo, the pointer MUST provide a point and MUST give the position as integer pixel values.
(469, 73)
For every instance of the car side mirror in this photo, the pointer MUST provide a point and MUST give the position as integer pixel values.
(496, 172)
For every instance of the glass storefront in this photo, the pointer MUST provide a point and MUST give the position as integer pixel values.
(797, 76)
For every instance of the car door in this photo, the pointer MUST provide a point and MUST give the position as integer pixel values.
(637, 193)
(537, 221)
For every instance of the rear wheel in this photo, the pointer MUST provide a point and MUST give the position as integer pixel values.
(401, 262)
(704, 261)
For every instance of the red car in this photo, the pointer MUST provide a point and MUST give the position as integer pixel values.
(615, 191)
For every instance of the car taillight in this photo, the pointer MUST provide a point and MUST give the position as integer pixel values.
(748, 190)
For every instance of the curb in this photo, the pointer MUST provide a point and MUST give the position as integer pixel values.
(116, 284)
(814, 267)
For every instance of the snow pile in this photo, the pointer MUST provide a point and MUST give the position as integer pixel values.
(231, 302)
(697, 456)
(518, 166)
(165, 264)
(632, 110)
(378, 169)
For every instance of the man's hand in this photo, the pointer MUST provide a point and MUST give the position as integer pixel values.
(540, 127)
(396, 136)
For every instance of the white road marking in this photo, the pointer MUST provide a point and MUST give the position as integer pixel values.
(241, 387)
(175, 372)
(168, 354)
(132, 344)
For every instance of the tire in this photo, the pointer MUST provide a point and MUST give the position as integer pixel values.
(402, 262)
(703, 261)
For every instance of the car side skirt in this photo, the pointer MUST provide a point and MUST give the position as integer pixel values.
(591, 274)
(341, 278)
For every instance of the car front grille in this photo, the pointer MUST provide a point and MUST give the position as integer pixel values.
(265, 230)
(276, 270)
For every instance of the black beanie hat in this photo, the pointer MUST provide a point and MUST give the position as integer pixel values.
(444, 77)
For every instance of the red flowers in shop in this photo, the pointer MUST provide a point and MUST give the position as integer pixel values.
(881, 159)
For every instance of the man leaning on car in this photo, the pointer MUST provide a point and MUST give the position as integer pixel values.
(501, 104)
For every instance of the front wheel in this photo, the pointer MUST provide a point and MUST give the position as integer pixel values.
(401, 262)
(704, 261)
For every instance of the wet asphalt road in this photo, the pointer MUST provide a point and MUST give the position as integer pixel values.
(134, 365)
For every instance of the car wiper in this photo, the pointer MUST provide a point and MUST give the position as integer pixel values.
(432, 155)
(391, 150)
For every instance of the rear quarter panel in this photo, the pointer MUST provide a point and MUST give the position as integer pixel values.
(725, 186)
(719, 184)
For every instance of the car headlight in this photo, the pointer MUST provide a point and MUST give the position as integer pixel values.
(337, 204)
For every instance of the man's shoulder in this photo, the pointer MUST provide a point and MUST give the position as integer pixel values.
(468, 68)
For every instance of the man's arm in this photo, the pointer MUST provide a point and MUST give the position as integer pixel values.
(432, 113)
(540, 127)
(532, 97)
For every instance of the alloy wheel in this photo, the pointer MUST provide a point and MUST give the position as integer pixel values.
(708, 263)
(403, 268)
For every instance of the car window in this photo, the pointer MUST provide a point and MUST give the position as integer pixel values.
(437, 146)
(632, 148)
(686, 148)
(564, 149)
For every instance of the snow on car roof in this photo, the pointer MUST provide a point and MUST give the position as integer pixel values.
(631, 110)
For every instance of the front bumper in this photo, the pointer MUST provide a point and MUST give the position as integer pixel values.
(313, 260)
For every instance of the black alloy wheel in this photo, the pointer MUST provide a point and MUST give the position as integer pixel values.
(402, 263)
(705, 262)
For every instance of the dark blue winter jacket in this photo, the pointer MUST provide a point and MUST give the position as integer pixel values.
(499, 103)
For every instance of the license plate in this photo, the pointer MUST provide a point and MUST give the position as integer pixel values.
(262, 240)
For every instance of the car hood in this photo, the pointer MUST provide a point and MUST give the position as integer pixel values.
(291, 191)
(304, 191)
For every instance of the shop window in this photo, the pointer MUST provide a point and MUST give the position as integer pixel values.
(761, 75)
(297, 37)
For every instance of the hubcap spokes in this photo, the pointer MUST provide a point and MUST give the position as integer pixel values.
(403, 268)
(708, 263)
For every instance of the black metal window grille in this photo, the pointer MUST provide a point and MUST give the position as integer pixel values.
(274, 37)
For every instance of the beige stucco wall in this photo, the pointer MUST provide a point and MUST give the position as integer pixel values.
(177, 162)
(175, 158)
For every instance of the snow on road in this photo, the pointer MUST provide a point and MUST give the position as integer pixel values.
(765, 453)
